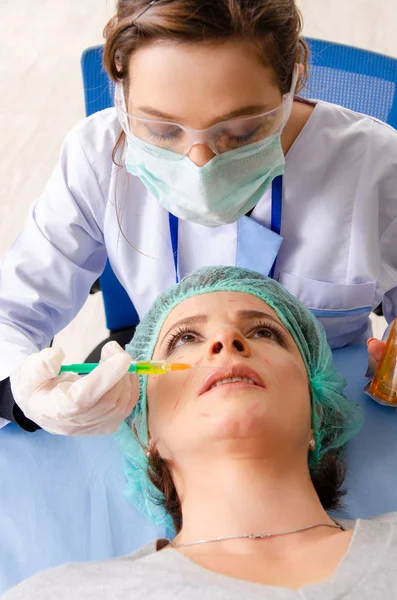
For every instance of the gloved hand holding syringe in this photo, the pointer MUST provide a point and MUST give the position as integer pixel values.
(59, 400)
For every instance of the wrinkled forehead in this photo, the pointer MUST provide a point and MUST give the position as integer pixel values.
(219, 303)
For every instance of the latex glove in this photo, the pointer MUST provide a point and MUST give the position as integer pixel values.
(69, 404)
(375, 351)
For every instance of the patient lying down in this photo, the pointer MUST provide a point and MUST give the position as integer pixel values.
(249, 443)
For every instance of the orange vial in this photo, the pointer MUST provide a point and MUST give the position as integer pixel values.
(384, 384)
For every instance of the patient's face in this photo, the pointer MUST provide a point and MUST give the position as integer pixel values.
(249, 392)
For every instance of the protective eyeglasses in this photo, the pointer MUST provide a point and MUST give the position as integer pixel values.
(220, 138)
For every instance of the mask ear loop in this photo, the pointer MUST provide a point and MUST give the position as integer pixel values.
(288, 99)
(120, 105)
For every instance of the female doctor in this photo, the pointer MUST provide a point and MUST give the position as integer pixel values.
(208, 159)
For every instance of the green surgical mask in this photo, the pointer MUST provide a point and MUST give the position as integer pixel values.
(218, 193)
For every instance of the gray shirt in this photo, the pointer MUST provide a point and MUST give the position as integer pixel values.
(367, 572)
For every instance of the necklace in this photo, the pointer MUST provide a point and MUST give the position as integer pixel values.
(255, 536)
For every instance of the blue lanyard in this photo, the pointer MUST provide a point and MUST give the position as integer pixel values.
(275, 223)
(277, 208)
(174, 241)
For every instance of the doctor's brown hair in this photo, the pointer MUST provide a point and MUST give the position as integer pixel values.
(272, 27)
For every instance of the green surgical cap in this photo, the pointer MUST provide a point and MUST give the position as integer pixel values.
(334, 419)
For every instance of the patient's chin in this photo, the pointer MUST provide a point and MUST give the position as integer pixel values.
(237, 419)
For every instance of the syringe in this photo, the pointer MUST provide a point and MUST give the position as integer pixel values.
(151, 367)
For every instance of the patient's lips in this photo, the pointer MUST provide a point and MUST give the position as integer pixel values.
(235, 375)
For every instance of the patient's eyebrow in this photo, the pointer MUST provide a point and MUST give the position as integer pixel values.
(193, 320)
(249, 315)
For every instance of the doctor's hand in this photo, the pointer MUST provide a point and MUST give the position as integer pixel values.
(375, 351)
(68, 404)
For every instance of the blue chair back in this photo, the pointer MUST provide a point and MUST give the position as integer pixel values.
(363, 81)
(360, 80)
(98, 93)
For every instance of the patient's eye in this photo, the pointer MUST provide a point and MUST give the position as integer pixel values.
(181, 337)
(264, 332)
(268, 331)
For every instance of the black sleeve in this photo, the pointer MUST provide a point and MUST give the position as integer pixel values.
(10, 410)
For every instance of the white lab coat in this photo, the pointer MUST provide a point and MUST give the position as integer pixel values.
(339, 224)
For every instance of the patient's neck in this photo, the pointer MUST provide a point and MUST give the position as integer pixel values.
(232, 496)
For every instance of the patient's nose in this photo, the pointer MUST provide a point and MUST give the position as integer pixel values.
(231, 341)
